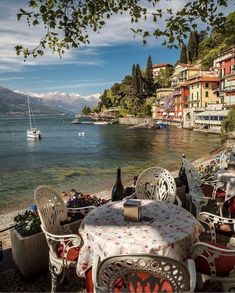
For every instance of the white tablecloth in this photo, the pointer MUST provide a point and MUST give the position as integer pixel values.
(165, 229)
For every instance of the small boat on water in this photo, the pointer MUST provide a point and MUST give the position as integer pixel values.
(101, 122)
(33, 132)
(82, 133)
(160, 125)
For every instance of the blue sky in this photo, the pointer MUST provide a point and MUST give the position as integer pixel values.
(84, 71)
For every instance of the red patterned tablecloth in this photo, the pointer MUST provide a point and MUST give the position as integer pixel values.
(165, 229)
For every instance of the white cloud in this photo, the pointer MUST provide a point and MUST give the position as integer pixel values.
(117, 31)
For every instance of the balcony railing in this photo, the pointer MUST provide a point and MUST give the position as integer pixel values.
(230, 88)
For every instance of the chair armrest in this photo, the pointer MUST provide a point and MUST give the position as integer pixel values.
(207, 218)
(85, 209)
(133, 195)
(179, 202)
(200, 247)
(74, 239)
(193, 275)
(212, 220)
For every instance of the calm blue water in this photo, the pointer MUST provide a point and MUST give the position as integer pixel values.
(87, 163)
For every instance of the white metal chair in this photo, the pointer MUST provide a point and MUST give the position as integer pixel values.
(156, 183)
(196, 195)
(213, 222)
(63, 245)
(134, 273)
(225, 157)
(215, 260)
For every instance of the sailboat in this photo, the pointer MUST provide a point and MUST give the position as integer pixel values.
(33, 132)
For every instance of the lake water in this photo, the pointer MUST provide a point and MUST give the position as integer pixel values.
(65, 160)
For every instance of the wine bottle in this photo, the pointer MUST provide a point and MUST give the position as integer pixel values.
(118, 189)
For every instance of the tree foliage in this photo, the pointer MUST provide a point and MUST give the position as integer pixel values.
(217, 41)
(149, 80)
(193, 46)
(228, 123)
(86, 110)
(129, 96)
(68, 22)
(183, 55)
(164, 77)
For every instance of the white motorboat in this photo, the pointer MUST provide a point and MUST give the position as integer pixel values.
(33, 132)
(101, 122)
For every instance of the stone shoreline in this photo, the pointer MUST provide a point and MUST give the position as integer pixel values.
(6, 219)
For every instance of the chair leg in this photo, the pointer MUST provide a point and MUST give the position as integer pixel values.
(54, 278)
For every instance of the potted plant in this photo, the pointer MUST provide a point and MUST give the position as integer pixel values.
(29, 247)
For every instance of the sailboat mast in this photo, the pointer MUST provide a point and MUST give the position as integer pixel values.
(30, 122)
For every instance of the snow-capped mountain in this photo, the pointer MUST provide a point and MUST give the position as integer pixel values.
(68, 102)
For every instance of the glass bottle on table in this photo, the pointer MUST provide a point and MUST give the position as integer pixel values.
(118, 189)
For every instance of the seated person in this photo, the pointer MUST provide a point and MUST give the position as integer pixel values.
(228, 209)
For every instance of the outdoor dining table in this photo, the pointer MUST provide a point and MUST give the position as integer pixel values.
(165, 229)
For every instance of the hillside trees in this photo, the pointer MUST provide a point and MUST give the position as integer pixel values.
(183, 55)
(68, 23)
(149, 87)
(86, 110)
(164, 77)
(228, 123)
(132, 93)
(219, 39)
(193, 46)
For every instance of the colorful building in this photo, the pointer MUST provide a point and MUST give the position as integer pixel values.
(224, 64)
(182, 73)
(202, 90)
(158, 111)
(157, 67)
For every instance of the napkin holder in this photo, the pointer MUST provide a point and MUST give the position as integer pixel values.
(132, 210)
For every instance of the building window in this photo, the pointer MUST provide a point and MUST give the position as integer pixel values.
(197, 95)
(207, 94)
(192, 87)
(207, 85)
(192, 96)
(198, 105)
(198, 85)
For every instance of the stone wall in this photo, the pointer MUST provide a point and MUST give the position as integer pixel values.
(134, 120)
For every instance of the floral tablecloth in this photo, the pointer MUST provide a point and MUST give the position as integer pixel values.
(165, 229)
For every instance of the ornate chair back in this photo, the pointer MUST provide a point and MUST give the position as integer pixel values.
(156, 183)
(225, 157)
(215, 262)
(194, 179)
(63, 245)
(134, 273)
(51, 208)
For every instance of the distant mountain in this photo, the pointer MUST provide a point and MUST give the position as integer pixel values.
(13, 103)
(72, 103)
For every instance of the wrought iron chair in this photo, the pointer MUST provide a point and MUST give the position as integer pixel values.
(215, 260)
(156, 183)
(196, 195)
(143, 273)
(225, 157)
(213, 222)
(63, 245)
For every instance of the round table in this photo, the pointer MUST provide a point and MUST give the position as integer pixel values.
(165, 229)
